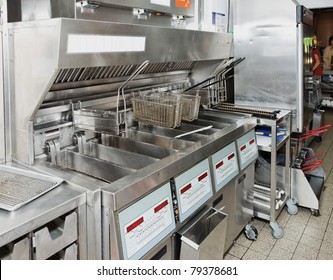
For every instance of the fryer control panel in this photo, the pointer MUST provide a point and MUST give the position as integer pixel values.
(193, 188)
(225, 165)
(247, 149)
(145, 223)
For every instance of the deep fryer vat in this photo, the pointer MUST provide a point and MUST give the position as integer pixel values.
(106, 171)
(159, 140)
(172, 133)
(117, 156)
(133, 146)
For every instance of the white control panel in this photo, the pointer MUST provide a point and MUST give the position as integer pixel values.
(147, 222)
(225, 165)
(247, 149)
(193, 189)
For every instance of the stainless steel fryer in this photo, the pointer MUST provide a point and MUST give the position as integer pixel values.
(77, 123)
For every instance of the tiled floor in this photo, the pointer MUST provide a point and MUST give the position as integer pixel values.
(306, 237)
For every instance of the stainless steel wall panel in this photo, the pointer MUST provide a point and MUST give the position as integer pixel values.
(2, 104)
(267, 36)
(34, 68)
(32, 10)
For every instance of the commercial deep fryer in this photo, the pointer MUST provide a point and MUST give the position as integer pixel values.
(65, 80)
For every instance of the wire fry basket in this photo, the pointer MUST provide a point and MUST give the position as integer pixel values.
(209, 96)
(190, 107)
(157, 110)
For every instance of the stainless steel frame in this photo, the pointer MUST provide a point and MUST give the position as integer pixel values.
(271, 198)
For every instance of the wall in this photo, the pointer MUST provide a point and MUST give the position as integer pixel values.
(323, 18)
(323, 26)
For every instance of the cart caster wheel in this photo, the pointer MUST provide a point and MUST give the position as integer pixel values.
(251, 232)
(318, 138)
(277, 230)
(292, 207)
(315, 212)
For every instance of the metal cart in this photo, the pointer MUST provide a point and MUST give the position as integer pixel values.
(271, 195)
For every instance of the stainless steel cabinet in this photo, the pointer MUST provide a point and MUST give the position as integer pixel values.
(52, 226)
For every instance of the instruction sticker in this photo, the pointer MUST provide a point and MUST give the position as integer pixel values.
(186, 4)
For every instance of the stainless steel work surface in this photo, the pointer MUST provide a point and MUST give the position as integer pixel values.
(53, 204)
(127, 189)
(18, 186)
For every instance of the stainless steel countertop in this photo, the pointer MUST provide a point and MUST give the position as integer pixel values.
(38, 212)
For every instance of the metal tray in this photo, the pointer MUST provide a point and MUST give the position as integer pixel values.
(19, 186)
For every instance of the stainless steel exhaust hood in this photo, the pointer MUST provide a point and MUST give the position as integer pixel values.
(51, 52)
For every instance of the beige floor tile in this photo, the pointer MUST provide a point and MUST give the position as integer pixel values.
(279, 254)
(327, 195)
(326, 200)
(262, 247)
(300, 257)
(253, 255)
(237, 250)
(242, 240)
(327, 190)
(230, 257)
(329, 186)
(286, 244)
(325, 209)
(327, 247)
(265, 235)
(314, 232)
(329, 234)
(302, 216)
(327, 170)
(319, 222)
(295, 225)
(308, 252)
(329, 178)
(330, 224)
(310, 241)
(324, 256)
(292, 234)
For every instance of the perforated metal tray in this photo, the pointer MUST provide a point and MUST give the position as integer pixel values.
(19, 186)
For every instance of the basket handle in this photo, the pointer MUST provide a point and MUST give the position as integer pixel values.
(122, 87)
